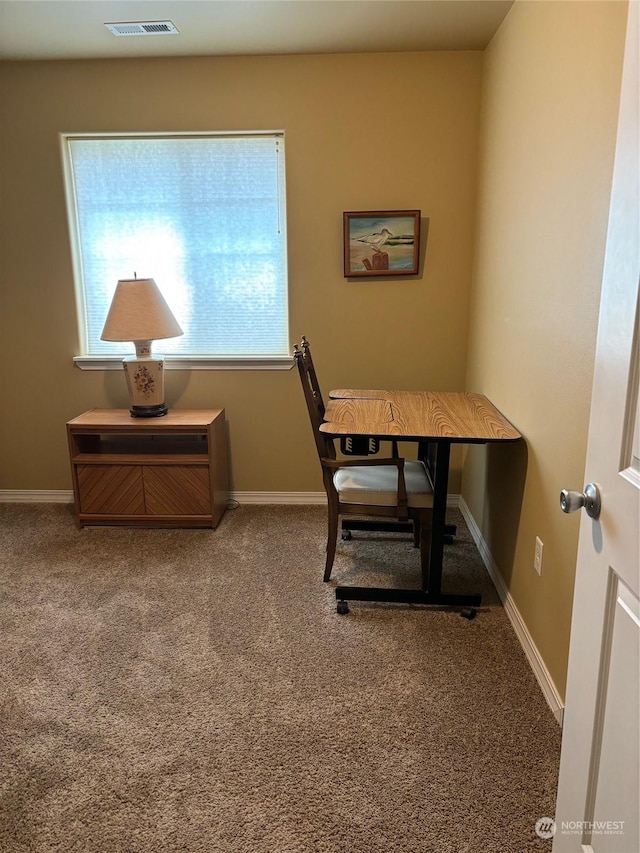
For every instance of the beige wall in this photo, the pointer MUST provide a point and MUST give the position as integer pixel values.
(549, 109)
(362, 132)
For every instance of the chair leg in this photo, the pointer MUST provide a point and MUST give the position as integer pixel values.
(332, 536)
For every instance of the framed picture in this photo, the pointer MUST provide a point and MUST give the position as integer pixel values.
(381, 242)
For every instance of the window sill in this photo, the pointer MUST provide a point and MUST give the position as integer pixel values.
(247, 362)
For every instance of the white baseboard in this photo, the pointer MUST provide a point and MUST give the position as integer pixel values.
(66, 496)
(540, 671)
(279, 497)
(298, 498)
(40, 496)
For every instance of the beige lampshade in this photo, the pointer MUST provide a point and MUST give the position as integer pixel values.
(139, 312)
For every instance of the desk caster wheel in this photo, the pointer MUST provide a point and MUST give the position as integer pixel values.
(346, 535)
(468, 613)
(342, 607)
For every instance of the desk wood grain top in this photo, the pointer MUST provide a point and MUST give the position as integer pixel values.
(413, 415)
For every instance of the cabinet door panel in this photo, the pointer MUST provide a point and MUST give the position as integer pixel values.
(113, 489)
(177, 490)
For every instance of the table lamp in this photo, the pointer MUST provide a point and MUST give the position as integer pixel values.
(140, 314)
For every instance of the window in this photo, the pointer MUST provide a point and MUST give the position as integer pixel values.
(202, 214)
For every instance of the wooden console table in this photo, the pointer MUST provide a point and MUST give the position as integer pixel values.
(168, 471)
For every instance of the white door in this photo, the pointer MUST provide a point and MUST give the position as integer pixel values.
(599, 789)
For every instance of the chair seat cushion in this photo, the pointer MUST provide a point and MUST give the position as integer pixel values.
(377, 485)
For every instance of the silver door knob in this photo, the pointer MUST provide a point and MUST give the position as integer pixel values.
(589, 499)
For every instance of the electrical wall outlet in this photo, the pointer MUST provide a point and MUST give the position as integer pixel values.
(537, 560)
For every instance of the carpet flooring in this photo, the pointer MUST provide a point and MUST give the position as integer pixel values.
(195, 690)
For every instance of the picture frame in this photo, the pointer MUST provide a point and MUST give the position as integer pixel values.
(381, 242)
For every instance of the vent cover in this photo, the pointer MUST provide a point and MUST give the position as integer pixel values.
(143, 28)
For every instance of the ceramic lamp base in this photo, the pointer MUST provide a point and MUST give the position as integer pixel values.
(145, 381)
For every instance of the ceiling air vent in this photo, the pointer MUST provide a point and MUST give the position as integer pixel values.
(143, 28)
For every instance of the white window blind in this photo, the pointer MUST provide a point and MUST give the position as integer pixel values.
(204, 216)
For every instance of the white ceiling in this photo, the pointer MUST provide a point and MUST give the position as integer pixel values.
(74, 29)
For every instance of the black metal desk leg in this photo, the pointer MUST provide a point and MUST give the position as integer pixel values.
(433, 581)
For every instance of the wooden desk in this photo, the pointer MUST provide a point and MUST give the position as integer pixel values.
(436, 420)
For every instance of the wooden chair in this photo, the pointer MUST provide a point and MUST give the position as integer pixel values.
(388, 487)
